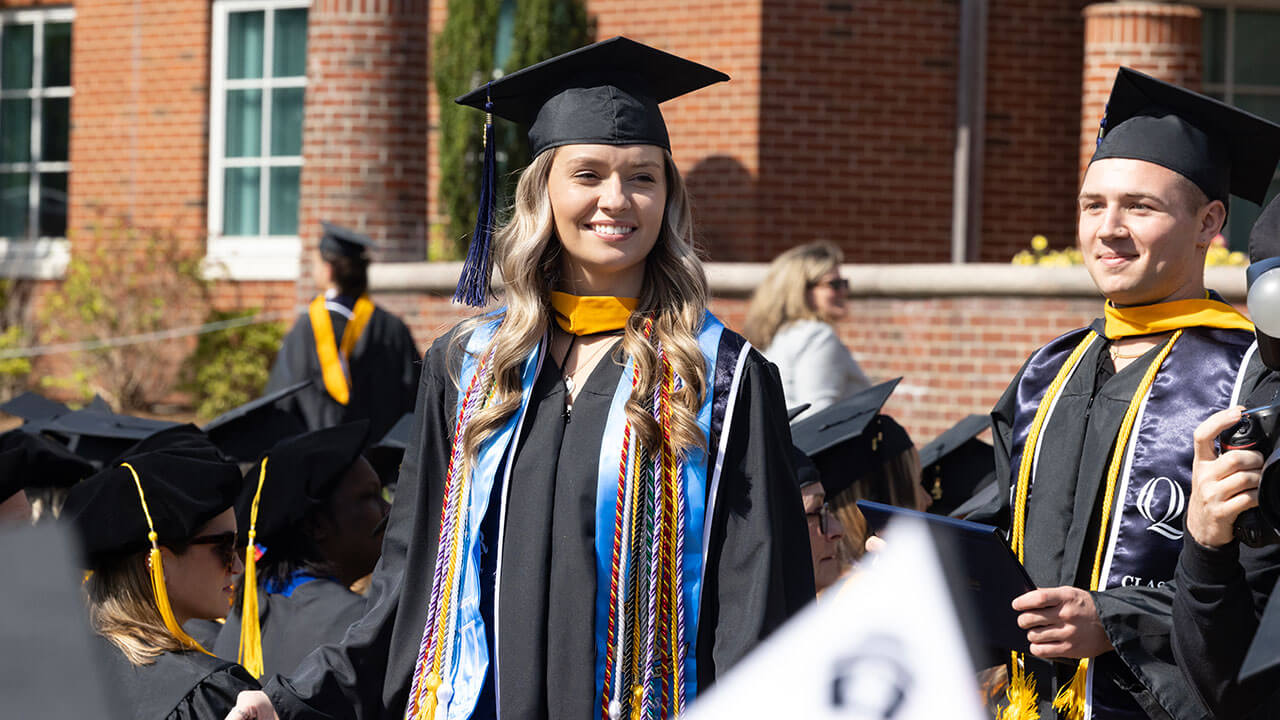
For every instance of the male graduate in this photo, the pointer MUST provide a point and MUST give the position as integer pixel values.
(362, 357)
(1093, 438)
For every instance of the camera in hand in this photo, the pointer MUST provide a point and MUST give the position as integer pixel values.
(1257, 430)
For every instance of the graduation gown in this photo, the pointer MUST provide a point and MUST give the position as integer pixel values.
(1141, 678)
(1220, 596)
(314, 614)
(177, 686)
(757, 566)
(383, 372)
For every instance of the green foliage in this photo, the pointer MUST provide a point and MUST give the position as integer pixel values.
(464, 58)
(13, 371)
(230, 367)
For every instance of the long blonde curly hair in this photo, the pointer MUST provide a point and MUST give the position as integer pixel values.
(783, 296)
(673, 296)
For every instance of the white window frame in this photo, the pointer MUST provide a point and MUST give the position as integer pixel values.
(36, 256)
(263, 256)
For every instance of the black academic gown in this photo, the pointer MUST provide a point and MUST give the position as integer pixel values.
(1220, 597)
(314, 614)
(177, 686)
(1061, 534)
(758, 570)
(384, 374)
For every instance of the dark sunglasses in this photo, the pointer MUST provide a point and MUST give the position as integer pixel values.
(823, 515)
(224, 544)
(838, 284)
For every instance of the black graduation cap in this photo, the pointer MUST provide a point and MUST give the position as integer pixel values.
(806, 472)
(792, 412)
(174, 437)
(606, 93)
(185, 487)
(338, 240)
(1264, 237)
(32, 406)
(101, 436)
(301, 472)
(48, 664)
(847, 439)
(30, 460)
(244, 433)
(1222, 149)
(386, 454)
(957, 463)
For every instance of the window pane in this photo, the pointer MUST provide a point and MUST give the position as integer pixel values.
(1213, 30)
(15, 130)
(13, 204)
(1242, 216)
(15, 56)
(55, 119)
(1255, 52)
(57, 54)
(244, 123)
(286, 121)
(241, 201)
(284, 200)
(53, 205)
(244, 45)
(290, 43)
(1267, 106)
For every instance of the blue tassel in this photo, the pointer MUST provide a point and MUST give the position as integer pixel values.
(473, 284)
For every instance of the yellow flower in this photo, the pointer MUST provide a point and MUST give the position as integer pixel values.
(1237, 258)
(1023, 258)
(1039, 243)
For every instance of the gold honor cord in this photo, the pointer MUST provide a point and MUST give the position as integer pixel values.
(250, 630)
(157, 574)
(328, 352)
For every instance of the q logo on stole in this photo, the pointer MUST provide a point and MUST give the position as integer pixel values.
(1160, 502)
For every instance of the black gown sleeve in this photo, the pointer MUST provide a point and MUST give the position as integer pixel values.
(759, 570)
(215, 695)
(349, 680)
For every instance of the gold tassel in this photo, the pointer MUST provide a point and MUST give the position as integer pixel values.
(156, 566)
(1022, 703)
(428, 711)
(1071, 698)
(250, 630)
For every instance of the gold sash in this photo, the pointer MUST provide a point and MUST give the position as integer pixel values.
(334, 359)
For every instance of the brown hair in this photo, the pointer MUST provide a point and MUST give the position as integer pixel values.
(891, 482)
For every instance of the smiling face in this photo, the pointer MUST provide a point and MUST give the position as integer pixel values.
(607, 203)
(1143, 232)
(200, 581)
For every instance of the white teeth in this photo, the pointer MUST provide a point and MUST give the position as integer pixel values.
(612, 229)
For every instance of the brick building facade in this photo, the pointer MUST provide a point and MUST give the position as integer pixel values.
(238, 124)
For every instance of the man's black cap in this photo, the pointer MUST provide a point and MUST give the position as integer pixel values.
(849, 438)
(337, 240)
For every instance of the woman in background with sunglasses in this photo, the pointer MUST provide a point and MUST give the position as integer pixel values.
(159, 535)
(792, 317)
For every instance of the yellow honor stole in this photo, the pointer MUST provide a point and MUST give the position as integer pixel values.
(334, 358)
(588, 314)
(1123, 322)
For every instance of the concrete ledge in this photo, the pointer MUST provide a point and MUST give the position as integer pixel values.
(920, 280)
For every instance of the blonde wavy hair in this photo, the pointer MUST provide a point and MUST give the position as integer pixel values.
(123, 609)
(783, 296)
(673, 296)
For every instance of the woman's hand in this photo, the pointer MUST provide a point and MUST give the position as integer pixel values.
(252, 705)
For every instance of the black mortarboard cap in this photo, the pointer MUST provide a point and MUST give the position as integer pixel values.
(101, 436)
(337, 240)
(849, 438)
(301, 473)
(1264, 237)
(174, 437)
(386, 454)
(1222, 149)
(245, 432)
(31, 406)
(806, 472)
(48, 664)
(793, 412)
(606, 93)
(30, 460)
(956, 464)
(184, 488)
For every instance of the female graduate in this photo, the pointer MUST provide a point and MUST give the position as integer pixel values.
(597, 515)
(159, 534)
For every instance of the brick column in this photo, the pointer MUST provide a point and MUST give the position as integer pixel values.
(1162, 40)
(365, 134)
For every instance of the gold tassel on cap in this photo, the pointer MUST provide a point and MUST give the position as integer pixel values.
(156, 566)
(250, 630)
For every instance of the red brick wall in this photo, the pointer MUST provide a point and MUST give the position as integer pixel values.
(1157, 39)
(365, 135)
